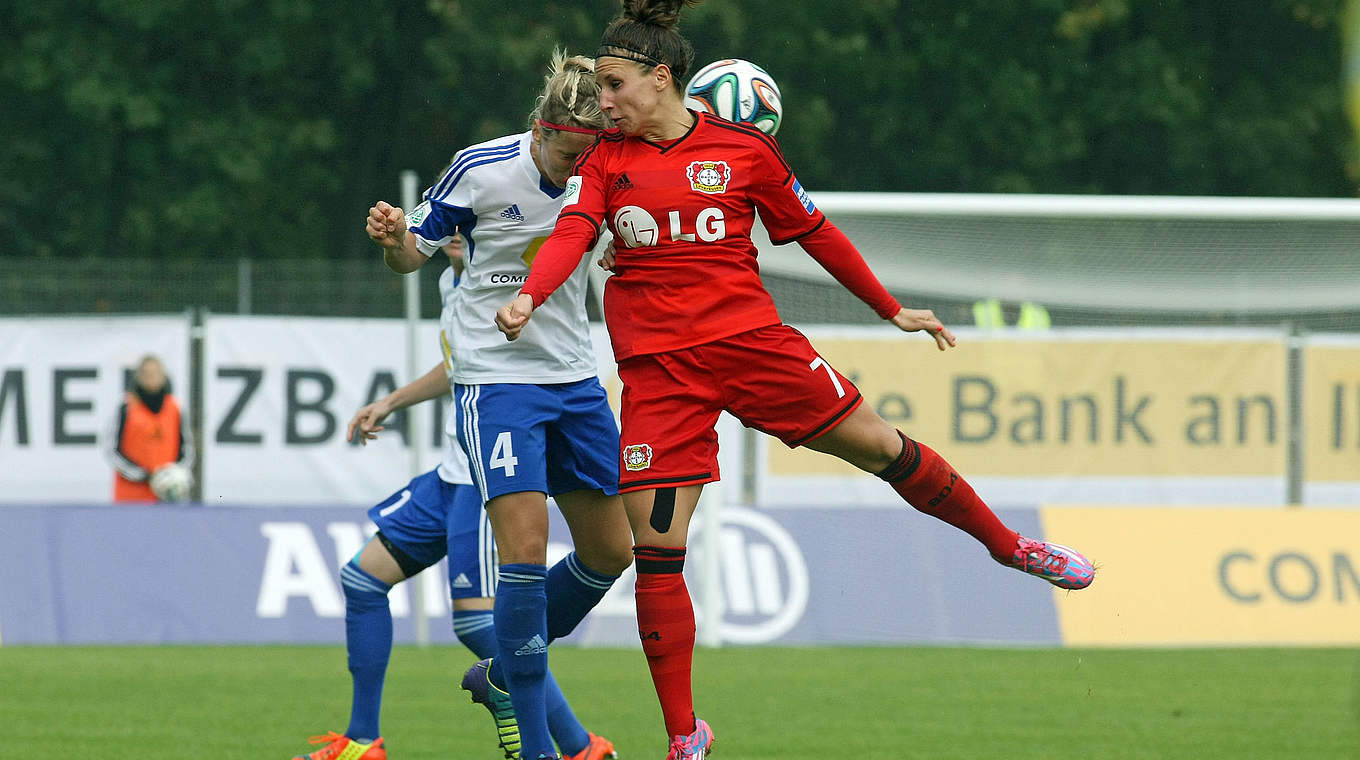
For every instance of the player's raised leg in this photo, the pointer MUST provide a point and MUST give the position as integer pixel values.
(927, 482)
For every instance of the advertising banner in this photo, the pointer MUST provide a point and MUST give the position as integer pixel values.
(62, 380)
(1331, 419)
(1171, 417)
(279, 394)
(804, 575)
(1065, 416)
(249, 575)
(1212, 576)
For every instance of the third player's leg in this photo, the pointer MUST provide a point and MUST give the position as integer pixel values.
(378, 562)
(599, 529)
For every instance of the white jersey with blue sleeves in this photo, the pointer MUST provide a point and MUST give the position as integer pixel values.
(493, 195)
(453, 468)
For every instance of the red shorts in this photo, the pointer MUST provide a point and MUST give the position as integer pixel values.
(770, 378)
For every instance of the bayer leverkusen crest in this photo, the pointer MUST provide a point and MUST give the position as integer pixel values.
(637, 456)
(709, 176)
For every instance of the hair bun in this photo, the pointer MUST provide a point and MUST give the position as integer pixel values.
(662, 13)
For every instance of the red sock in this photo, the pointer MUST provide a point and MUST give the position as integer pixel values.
(666, 625)
(928, 483)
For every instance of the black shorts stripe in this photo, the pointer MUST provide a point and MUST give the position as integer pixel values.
(832, 421)
(674, 481)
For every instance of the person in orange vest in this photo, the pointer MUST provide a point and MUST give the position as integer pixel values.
(148, 434)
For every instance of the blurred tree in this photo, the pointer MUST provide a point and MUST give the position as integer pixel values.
(1052, 96)
(223, 128)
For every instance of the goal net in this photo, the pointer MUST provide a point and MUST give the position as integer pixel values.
(1090, 260)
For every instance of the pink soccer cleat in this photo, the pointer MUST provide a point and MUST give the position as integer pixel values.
(696, 746)
(1062, 566)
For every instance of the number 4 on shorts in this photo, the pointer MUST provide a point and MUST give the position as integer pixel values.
(503, 455)
(818, 362)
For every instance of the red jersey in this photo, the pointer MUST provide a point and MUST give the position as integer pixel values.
(681, 214)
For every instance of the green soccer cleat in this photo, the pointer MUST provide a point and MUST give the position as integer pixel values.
(477, 681)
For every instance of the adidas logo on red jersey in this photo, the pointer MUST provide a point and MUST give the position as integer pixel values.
(623, 183)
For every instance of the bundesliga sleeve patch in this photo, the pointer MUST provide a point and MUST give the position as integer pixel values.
(803, 198)
(573, 192)
(417, 215)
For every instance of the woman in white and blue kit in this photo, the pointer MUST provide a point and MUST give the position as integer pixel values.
(532, 414)
(435, 515)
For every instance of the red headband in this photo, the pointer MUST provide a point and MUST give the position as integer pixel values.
(565, 128)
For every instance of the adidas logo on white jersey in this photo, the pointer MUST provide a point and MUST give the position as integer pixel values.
(512, 212)
(536, 645)
(462, 581)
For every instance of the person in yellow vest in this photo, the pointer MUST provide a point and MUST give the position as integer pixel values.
(988, 315)
(148, 434)
(1033, 316)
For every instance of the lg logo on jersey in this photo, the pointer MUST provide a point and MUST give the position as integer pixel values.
(636, 227)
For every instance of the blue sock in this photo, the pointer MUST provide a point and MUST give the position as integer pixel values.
(573, 591)
(368, 639)
(570, 735)
(521, 617)
(477, 630)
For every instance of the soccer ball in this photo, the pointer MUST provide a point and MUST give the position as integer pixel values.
(172, 482)
(737, 90)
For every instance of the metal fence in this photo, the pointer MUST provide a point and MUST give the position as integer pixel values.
(366, 288)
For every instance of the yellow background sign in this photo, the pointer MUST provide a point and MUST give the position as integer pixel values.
(1211, 576)
(1331, 415)
(1096, 407)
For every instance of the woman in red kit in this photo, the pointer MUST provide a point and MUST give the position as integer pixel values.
(696, 333)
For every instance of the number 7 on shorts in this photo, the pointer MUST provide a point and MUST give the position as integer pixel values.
(820, 362)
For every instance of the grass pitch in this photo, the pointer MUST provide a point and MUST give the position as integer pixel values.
(147, 703)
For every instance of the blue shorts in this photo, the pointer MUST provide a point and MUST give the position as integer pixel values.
(551, 438)
(430, 519)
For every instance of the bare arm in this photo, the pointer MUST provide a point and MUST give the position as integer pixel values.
(367, 421)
